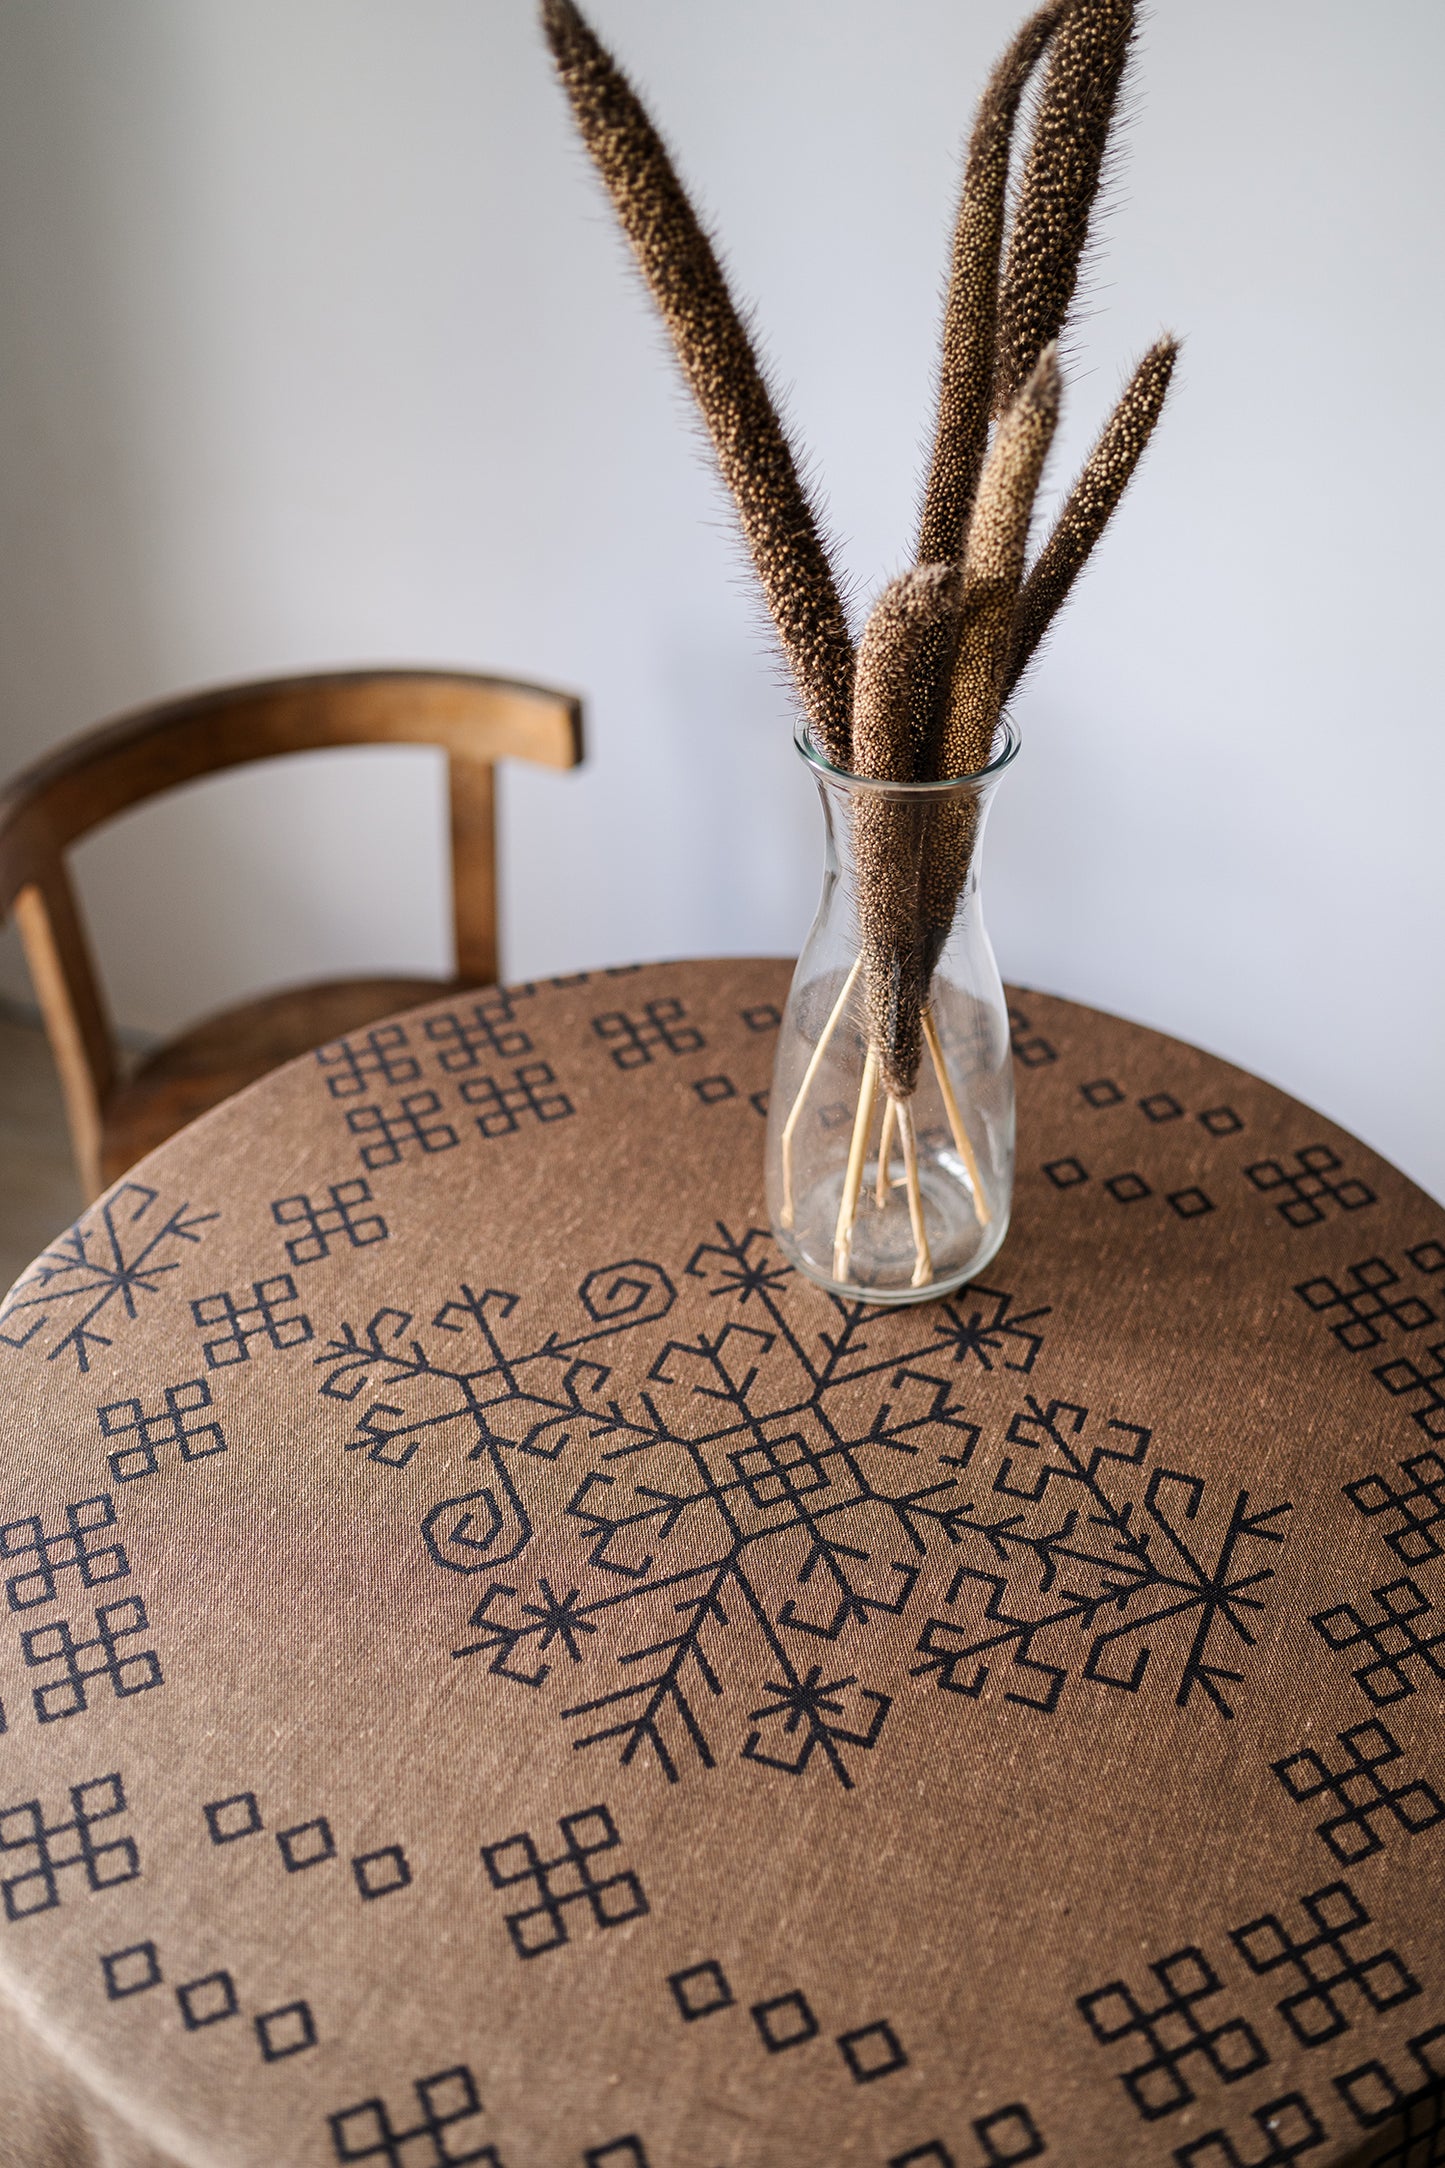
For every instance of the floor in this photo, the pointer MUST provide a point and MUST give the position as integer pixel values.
(39, 1194)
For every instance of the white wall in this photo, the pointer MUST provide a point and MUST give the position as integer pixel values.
(317, 346)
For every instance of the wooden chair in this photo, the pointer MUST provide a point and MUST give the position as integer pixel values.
(115, 1118)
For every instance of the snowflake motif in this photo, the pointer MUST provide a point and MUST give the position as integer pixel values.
(107, 1256)
(1109, 1567)
(757, 1491)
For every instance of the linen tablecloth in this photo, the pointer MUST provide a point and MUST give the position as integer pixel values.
(496, 1668)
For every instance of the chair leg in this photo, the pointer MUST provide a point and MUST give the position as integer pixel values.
(474, 869)
(63, 975)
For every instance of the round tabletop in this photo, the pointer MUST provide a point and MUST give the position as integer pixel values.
(497, 1668)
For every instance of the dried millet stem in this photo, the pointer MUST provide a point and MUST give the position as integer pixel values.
(1106, 475)
(756, 461)
(992, 571)
(964, 1148)
(965, 381)
(885, 1148)
(998, 537)
(966, 367)
(815, 1063)
(857, 1154)
(885, 830)
(923, 1262)
(1060, 182)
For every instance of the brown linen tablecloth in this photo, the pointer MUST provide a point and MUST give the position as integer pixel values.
(497, 1669)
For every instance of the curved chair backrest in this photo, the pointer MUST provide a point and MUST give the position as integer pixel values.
(90, 779)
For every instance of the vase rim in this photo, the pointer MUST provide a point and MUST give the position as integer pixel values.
(1006, 739)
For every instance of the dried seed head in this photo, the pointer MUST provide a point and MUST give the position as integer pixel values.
(1102, 483)
(998, 535)
(965, 377)
(909, 608)
(754, 456)
(1060, 183)
(887, 831)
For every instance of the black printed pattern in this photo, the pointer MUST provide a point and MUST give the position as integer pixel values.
(635, 1041)
(160, 1427)
(1366, 1802)
(729, 1447)
(568, 1879)
(1104, 1558)
(1323, 1966)
(448, 2109)
(35, 1852)
(1080, 1555)
(99, 1270)
(486, 1027)
(1367, 1307)
(1310, 1186)
(1172, 2029)
(341, 1218)
(1410, 1506)
(1399, 1651)
(266, 1313)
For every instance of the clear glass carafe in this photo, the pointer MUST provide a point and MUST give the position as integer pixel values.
(890, 1151)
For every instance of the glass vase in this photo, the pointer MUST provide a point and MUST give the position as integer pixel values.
(890, 1148)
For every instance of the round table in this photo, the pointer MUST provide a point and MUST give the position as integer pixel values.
(499, 1669)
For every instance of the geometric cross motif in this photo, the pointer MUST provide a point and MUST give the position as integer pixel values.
(106, 1257)
(1373, 2096)
(1361, 1792)
(258, 1319)
(327, 1223)
(1308, 1185)
(1313, 2012)
(133, 1671)
(635, 1039)
(352, 1064)
(165, 1425)
(1393, 1639)
(74, 1545)
(414, 1122)
(49, 1848)
(1289, 2128)
(1172, 2031)
(1419, 1503)
(488, 1027)
(566, 1880)
(1365, 1303)
(502, 1104)
(1405, 1375)
(445, 2100)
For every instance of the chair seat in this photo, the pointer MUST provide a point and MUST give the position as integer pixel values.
(224, 1053)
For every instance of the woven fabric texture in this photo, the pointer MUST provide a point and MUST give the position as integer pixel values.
(495, 1668)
